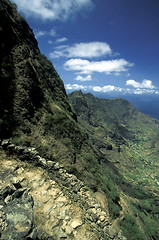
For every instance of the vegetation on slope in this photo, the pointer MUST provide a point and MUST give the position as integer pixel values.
(129, 143)
(34, 109)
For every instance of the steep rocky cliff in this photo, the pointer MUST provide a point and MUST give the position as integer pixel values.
(29, 82)
(34, 108)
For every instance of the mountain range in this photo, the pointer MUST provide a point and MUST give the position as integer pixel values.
(72, 167)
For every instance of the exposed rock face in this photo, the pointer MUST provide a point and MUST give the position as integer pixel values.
(33, 103)
(17, 213)
(28, 80)
(48, 203)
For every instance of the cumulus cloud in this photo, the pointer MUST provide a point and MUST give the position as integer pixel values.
(59, 52)
(107, 88)
(143, 91)
(76, 87)
(89, 50)
(111, 89)
(52, 9)
(144, 84)
(60, 40)
(108, 67)
(83, 50)
(39, 34)
(82, 79)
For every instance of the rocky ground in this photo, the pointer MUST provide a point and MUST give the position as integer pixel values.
(40, 200)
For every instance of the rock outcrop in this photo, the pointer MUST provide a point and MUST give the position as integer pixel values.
(41, 200)
(29, 82)
(34, 108)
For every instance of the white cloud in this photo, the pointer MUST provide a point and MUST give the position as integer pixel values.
(87, 67)
(39, 34)
(60, 40)
(117, 74)
(75, 87)
(145, 91)
(82, 79)
(50, 42)
(144, 84)
(89, 50)
(52, 33)
(107, 88)
(52, 9)
(83, 50)
(110, 89)
(58, 52)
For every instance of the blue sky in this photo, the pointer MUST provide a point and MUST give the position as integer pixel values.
(99, 46)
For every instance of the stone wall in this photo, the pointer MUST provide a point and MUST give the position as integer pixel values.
(20, 197)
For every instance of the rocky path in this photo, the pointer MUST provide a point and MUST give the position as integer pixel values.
(48, 203)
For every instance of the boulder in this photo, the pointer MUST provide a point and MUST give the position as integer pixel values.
(16, 215)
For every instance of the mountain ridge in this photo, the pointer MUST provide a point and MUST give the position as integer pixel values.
(113, 113)
(60, 162)
(129, 143)
(27, 71)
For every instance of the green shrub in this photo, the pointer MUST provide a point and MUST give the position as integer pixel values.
(130, 228)
(109, 187)
(148, 213)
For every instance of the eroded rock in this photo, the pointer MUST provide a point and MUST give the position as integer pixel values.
(17, 217)
(59, 206)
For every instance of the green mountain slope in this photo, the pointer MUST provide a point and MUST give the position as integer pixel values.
(34, 109)
(116, 125)
(129, 142)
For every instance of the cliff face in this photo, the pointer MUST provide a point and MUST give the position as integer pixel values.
(29, 82)
(34, 108)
